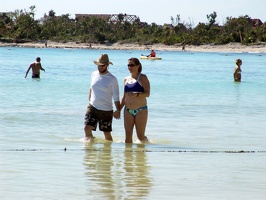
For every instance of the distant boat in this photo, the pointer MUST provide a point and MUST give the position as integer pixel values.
(149, 58)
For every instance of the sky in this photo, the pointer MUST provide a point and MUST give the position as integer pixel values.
(157, 11)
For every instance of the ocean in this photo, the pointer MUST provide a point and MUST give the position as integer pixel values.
(207, 133)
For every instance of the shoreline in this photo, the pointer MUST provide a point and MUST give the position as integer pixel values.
(231, 47)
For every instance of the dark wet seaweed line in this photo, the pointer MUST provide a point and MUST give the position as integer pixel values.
(134, 150)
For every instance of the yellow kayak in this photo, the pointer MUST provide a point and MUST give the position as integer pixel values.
(150, 58)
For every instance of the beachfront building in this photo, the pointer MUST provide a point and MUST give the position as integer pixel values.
(111, 17)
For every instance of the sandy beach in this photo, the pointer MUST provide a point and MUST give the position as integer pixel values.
(231, 47)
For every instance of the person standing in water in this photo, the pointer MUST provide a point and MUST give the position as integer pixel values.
(238, 71)
(35, 67)
(104, 88)
(136, 91)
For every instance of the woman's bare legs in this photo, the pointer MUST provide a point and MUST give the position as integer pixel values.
(140, 121)
(128, 125)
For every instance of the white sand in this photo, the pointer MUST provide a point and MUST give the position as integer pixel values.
(232, 47)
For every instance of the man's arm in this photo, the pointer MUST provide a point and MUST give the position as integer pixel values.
(117, 112)
(115, 90)
(28, 71)
(90, 95)
(42, 68)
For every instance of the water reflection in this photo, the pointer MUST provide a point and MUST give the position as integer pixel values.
(137, 180)
(117, 173)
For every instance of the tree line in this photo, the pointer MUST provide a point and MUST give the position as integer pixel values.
(21, 26)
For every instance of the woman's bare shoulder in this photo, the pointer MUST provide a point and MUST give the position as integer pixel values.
(127, 77)
(143, 76)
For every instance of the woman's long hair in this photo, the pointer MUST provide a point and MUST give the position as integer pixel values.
(136, 62)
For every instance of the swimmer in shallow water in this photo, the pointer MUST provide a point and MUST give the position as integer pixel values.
(35, 67)
(237, 71)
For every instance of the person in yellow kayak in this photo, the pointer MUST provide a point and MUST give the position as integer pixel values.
(152, 54)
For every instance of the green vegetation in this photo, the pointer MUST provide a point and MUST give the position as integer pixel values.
(20, 26)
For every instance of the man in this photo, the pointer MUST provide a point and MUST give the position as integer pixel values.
(35, 67)
(104, 88)
(238, 71)
(152, 54)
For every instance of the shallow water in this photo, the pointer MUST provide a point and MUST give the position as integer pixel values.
(207, 133)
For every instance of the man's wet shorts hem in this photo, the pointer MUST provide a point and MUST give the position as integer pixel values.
(94, 116)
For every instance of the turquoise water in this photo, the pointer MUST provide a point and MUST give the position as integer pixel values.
(199, 122)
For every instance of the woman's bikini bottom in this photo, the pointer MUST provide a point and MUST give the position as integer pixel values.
(135, 112)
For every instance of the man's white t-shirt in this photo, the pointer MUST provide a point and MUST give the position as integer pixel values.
(104, 88)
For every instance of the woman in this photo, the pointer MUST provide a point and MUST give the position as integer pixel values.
(237, 72)
(136, 90)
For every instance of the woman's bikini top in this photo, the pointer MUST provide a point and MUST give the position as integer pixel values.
(134, 87)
